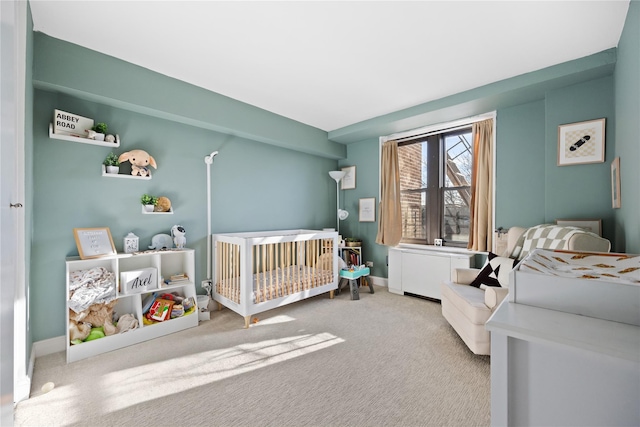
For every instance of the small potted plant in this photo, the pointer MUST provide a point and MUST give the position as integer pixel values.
(149, 202)
(112, 164)
(353, 242)
(100, 129)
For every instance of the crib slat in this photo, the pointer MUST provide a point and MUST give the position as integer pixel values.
(225, 265)
(238, 282)
(264, 273)
(271, 271)
(290, 264)
(280, 275)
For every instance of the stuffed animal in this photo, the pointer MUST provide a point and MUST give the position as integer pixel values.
(163, 205)
(140, 160)
(178, 232)
(161, 241)
(78, 331)
(100, 314)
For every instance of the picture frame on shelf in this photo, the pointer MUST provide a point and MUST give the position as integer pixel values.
(616, 201)
(581, 143)
(94, 242)
(367, 209)
(592, 225)
(349, 180)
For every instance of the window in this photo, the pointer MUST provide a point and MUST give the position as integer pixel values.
(435, 187)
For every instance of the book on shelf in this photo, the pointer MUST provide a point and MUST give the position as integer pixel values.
(176, 279)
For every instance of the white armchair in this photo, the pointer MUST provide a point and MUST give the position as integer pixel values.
(467, 308)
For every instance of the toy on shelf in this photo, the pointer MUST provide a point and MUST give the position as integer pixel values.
(163, 204)
(140, 161)
(178, 232)
(84, 323)
(161, 241)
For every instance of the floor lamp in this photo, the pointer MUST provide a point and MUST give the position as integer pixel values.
(341, 214)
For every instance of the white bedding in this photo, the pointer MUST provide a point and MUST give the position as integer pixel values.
(619, 268)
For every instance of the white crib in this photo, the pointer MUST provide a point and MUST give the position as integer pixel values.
(259, 271)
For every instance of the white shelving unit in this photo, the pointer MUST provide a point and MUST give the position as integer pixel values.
(168, 263)
(52, 135)
(351, 254)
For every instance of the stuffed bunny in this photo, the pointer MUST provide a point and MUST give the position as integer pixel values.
(140, 160)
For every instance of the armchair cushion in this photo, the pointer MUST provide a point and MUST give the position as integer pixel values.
(493, 296)
(495, 272)
(464, 276)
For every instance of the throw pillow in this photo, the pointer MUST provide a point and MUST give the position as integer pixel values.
(495, 272)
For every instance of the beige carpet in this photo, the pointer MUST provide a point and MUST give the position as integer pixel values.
(384, 360)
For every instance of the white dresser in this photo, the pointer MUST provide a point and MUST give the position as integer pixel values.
(420, 271)
(566, 351)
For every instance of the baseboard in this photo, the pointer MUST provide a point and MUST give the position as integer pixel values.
(22, 385)
(49, 346)
(379, 281)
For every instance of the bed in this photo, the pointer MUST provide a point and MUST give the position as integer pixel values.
(258, 271)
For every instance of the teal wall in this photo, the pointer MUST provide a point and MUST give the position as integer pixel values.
(364, 156)
(627, 110)
(520, 149)
(580, 191)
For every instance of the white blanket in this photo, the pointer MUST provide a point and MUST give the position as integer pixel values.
(619, 268)
(88, 287)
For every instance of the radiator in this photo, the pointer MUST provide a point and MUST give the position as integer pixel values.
(421, 271)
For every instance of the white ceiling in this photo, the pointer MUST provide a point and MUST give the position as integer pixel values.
(332, 64)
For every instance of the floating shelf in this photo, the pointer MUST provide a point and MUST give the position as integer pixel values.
(123, 175)
(83, 140)
(170, 212)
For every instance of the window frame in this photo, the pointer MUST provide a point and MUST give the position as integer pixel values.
(435, 187)
(423, 133)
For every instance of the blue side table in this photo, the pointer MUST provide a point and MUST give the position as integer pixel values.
(354, 278)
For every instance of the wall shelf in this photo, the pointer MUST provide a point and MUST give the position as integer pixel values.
(83, 140)
(123, 175)
(170, 212)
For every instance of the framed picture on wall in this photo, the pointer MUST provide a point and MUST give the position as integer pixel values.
(592, 225)
(94, 242)
(349, 180)
(367, 211)
(616, 202)
(580, 143)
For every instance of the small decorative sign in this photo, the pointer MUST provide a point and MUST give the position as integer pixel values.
(349, 180)
(94, 242)
(137, 281)
(70, 124)
(367, 209)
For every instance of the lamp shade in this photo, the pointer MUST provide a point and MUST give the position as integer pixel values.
(337, 175)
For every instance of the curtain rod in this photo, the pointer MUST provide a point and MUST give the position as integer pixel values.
(435, 132)
(437, 128)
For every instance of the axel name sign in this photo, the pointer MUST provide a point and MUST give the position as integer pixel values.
(137, 281)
